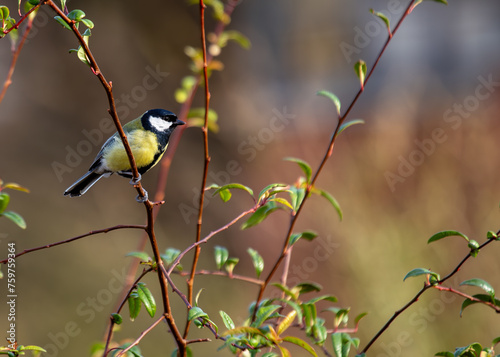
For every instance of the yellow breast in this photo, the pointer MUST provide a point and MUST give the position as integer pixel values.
(144, 147)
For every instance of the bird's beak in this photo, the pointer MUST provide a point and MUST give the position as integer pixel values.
(179, 122)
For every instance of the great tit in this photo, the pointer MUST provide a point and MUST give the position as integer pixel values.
(148, 138)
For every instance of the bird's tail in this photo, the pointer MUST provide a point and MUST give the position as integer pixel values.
(82, 184)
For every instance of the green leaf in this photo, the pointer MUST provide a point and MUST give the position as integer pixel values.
(297, 195)
(146, 298)
(306, 287)
(116, 318)
(301, 343)
(472, 350)
(283, 201)
(82, 56)
(134, 305)
(63, 4)
(269, 190)
(228, 322)
(303, 165)
(420, 271)
(88, 23)
(76, 15)
(257, 261)
(31, 348)
(444, 353)
(264, 313)
(232, 186)
(196, 117)
(5, 12)
(359, 317)
(62, 22)
(233, 35)
(444, 234)
(308, 235)
(337, 344)
(360, 69)
(4, 201)
(332, 201)
(198, 297)
(221, 255)
(261, 214)
(332, 97)
(16, 218)
(384, 18)
(195, 313)
(350, 123)
(140, 255)
(480, 283)
(495, 341)
(491, 235)
(230, 264)
(330, 298)
(170, 255)
(286, 290)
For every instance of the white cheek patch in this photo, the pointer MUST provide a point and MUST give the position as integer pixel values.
(159, 123)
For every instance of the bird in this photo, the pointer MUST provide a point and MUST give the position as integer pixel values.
(148, 137)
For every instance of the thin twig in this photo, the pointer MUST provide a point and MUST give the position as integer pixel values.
(224, 274)
(323, 162)
(99, 231)
(122, 303)
(204, 129)
(16, 52)
(141, 336)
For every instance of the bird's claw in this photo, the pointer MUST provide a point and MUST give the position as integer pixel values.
(135, 181)
(142, 199)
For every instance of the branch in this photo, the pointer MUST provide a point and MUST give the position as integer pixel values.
(323, 162)
(17, 51)
(144, 333)
(105, 230)
(204, 130)
(427, 285)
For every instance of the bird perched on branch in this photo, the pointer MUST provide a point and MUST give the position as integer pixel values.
(148, 138)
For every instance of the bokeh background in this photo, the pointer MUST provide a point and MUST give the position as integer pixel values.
(426, 160)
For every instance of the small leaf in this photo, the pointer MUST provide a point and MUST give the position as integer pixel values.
(384, 18)
(264, 313)
(480, 283)
(301, 343)
(261, 214)
(234, 186)
(236, 36)
(146, 298)
(62, 22)
(286, 322)
(444, 234)
(283, 201)
(15, 186)
(286, 290)
(141, 255)
(491, 235)
(170, 255)
(32, 348)
(196, 312)
(480, 297)
(360, 69)
(221, 255)
(350, 123)
(116, 318)
(308, 235)
(257, 261)
(5, 12)
(76, 15)
(420, 271)
(303, 165)
(332, 97)
(330, 199)
(359, 317)
(230, 264)
(445, 354)
(269, 190)
(134, 305)
(88, 23)
(330, 298)
(306, 287)
(4, 201)
(197, 298)
(228, 322)
(16, 218)
(337, 344)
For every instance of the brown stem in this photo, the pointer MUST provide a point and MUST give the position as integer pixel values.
(326, 156)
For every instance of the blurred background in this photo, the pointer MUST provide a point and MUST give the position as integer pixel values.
(426, 160)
